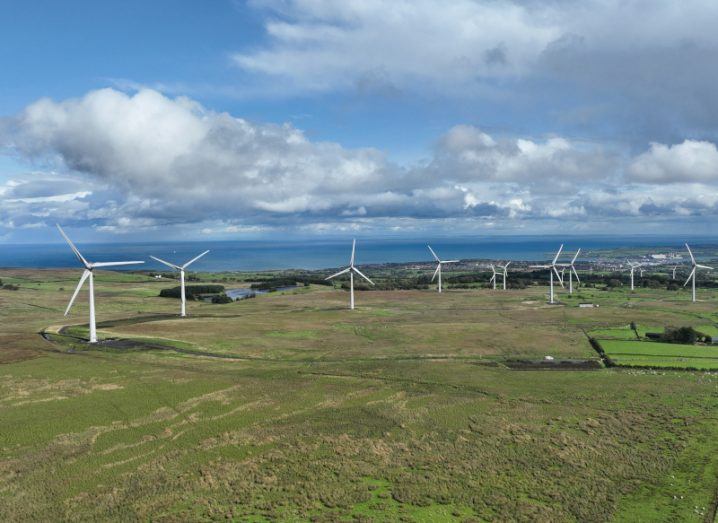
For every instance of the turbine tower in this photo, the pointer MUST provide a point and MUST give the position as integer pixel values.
(88, 274)
(552, 270)
(439, 263)
(674, 271)
(572, 272)
(692, 275)
(181, 269)
(492, 281)
(351, 270)
(633, 267)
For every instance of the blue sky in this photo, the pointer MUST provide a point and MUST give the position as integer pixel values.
(294, 118)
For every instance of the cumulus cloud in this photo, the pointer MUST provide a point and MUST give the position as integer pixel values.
(690, 161)
(140, 161)
(549, 165)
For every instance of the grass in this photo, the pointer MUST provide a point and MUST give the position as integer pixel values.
(626, 350)
(402, 409)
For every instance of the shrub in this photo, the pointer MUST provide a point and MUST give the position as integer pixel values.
(222, 298)
(191, 291)
(685, 335)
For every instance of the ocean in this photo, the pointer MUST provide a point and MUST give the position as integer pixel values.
(319, 254)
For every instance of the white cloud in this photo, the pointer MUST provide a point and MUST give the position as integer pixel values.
(145, 161)
(644, 70)
(690, 161)
(322, 45)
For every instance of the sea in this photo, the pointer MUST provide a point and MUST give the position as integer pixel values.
(320, 254)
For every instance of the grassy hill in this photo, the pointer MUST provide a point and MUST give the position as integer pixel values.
(291, 407)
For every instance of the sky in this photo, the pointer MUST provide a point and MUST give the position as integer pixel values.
(277, 119)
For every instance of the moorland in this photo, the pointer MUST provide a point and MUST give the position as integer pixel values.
(416, 406)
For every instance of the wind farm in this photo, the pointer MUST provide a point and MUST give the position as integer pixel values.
(291, 366)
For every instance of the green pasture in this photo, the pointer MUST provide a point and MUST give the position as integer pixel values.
(290, 407)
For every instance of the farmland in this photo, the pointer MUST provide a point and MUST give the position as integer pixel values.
(288, 406)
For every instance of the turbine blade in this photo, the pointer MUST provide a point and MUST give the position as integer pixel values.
(72, 246)
(691, 253)
(555, 259)
(362, 275)
(194, 260)
(507, 265)
(354, 248)
(338, 274)
(113, 264)
(172, 265)
(433, 253)
(690, 276)
(575, 256)
(575, 274)
(560, 280)
(438, 266)
(84, 276)
(704, 267)
(449, 261)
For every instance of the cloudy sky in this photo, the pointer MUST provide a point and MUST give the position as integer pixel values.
(302, 118)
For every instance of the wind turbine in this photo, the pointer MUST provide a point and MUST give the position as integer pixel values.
(504, 272)
(572, 272)
(351, 270)
(552, 270)
(439, 263)
(181, 269)
(88, 274)
(674, 271)
(494, 277)
(633, 267)
(692, 275)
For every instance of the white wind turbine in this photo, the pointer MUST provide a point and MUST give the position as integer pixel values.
(351, 270)
(439, 263)
(674, 271)
(181, 269)
(572, 272)
(492, 281)
(692, 275)
(552, 270)
(88, 274)
(497, 274)
(633, 267)
(505, 267)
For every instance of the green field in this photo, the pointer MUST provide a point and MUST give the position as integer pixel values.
(625, 349)
(290, 407)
